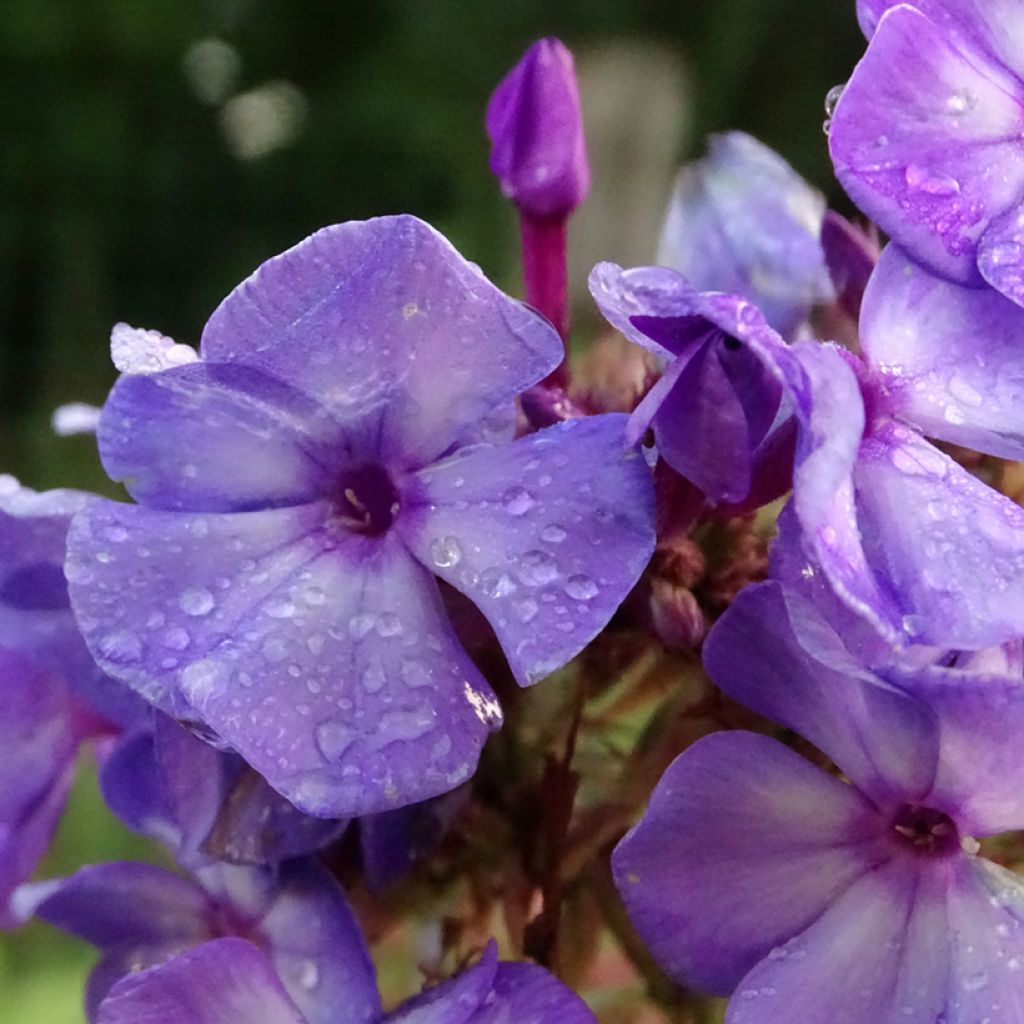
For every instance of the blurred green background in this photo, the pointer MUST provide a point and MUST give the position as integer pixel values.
(154, 153)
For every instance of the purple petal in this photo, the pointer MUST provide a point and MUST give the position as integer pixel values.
(525, 992)
(125, 904)
(925, 139)
(851, 254)
(774, 653)
(242, 440)
(318, 950)
(1001, 254)
(878, 953)
(949, 547)
(535, 125)
(950, 357)
(393, 842)
(980, 775)
(35, 613)
(39, 742)
(389, 328)
(228, 981)
(741, 220)
(546, 535)
(985, 914)
(649, 292)
(743, 846)
(323, 657)
(133, 788)
(832, 414)
(226, 810)
(456, 1001)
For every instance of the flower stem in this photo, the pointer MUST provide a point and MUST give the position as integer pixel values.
(546, 276)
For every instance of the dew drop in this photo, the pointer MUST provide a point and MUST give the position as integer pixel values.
(581, 588)
(538, 568)
(832, 99)
(496, 583)
(553, 534)
(334, 739)
(929, 182)
(445, 552)
(526, 610)
(196, 601)
(518, 501)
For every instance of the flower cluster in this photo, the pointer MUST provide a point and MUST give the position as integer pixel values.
(378, 504)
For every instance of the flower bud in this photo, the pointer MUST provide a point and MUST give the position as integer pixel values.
(536, 131)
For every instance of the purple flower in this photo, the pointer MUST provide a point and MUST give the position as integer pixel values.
(230, 981)
(755, 872)
(909, 540)
(926, 135)
(203, 803)
(53, 698)
(538, 151)
(140, 915)
(343, 440)
(720, 414)
(741, 220)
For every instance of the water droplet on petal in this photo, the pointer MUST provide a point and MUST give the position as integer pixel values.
(930, 182)
(518, 501)
(832, 98)
(445, 552)
(553, 534)
(196, 601)
(538, 568)
(496, 583)
(525, 610)
(581, 588)
(334, 739)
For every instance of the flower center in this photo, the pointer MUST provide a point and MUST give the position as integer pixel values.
(926, 830)
(367, 499)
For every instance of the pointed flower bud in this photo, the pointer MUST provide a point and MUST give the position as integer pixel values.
(536, 132)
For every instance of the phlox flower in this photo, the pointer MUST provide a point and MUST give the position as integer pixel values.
(848, 900)
(344, 440)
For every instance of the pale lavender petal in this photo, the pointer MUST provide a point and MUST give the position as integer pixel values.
(744, 845)
(741, 220)
(242, 440)
(985, 914)
(926, 140)
(228, 981)
(386, 325)
(546, 536)
(775, 653)
(950, 358)
(878, 953)
(1001, 254)
(948, 547)
(980, 774)
(323, 657)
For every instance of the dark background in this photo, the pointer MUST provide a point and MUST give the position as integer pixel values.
(122, 198)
